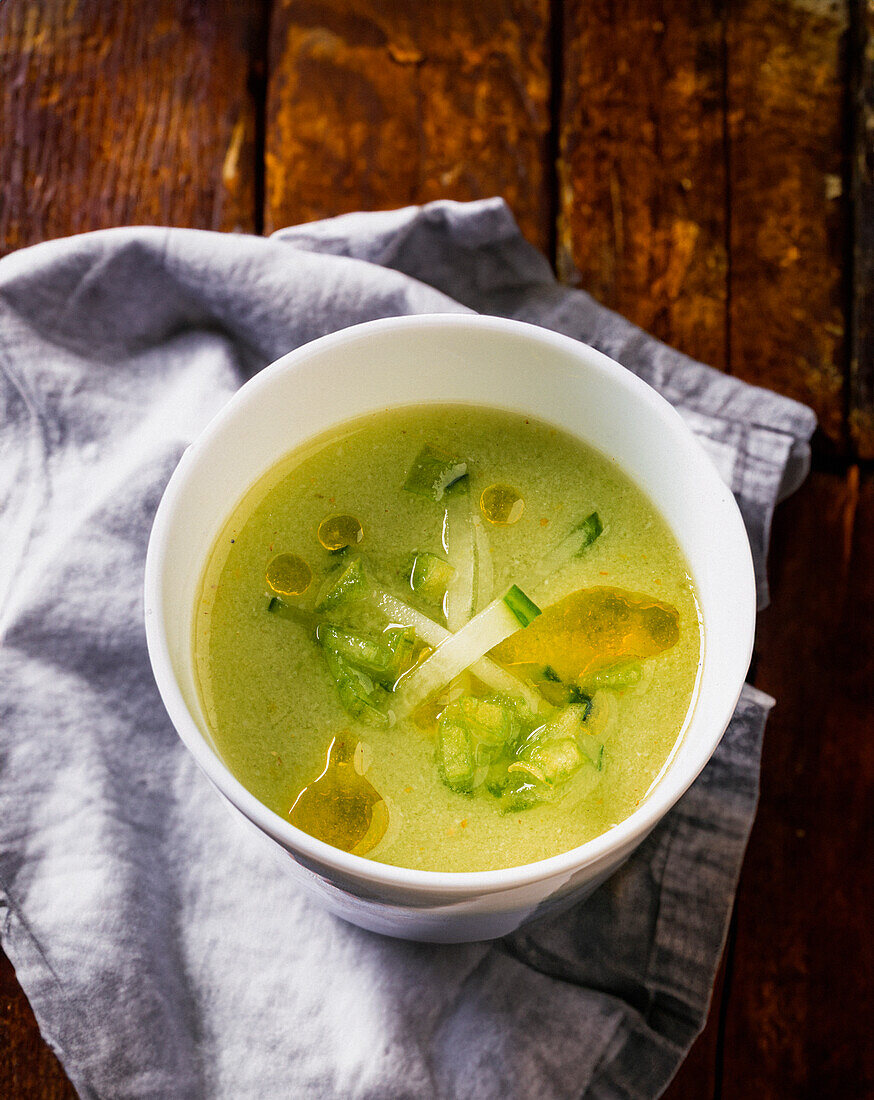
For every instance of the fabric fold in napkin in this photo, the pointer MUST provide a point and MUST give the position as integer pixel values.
(162, 952)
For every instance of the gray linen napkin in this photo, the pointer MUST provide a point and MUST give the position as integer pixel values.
(162, 952)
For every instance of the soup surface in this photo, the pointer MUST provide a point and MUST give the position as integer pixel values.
(448, 638)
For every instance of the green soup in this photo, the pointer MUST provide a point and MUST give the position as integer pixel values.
(447, 638)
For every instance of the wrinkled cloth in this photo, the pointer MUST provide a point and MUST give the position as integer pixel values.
(164, 953)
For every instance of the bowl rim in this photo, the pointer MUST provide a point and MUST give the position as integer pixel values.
(619, 838)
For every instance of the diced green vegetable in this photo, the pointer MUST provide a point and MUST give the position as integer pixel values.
(545, 759)
(588, 530)
(400, 641)
(559, 693)
(573, 545)
(283, 610)
(489, 729)
(615, 678)
(363, 653)
(359, 694)
(603, 715)
(461, 546)
(455, 757)
(592, 749)
(383, 660)
(433, 472)
(524, 609)
(343, 586)
(430, 576)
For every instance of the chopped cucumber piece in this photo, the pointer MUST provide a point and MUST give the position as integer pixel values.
(400, 641)
(461, 650)
(430, 576)
(479, 732)
(360, 695)
(524, 609)
(546, 758)
(560, 694)
(383, 660)
(455, 758)
(461, 546)
(592, 749)
(343, 587)
(586, 532)
(283, 610)
(603, 716)
(616, 677)
(573, 545)
(433, 472)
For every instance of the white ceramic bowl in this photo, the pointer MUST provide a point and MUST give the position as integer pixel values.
(480, 361)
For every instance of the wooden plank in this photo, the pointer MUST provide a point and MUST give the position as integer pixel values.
(28, 1068)
(862, 318)
(374, 104)
(697, 1076)
(799, 1016)
(788, 231)
(642, 198)
(125, 113)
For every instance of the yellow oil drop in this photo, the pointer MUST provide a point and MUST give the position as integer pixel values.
(592, 629)
(341, 807)
(337, 532)
(501, 505)
(288, 575)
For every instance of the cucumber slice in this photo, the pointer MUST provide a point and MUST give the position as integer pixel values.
(341, 588)
(460, 541)
(524, 609)
(430, 576)
(461, 650)
(360, 696)
(573, 545)
(433, 472)
(485, 669)
(283, 610)
(455, 758)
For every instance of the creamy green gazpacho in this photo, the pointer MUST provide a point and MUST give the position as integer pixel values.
(448, 638)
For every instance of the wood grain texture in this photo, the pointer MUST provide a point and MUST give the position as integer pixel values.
(379, 103)
(642, 174)
(28, 1068)
(119, 113)
(861, 417)
(799, 1016)
(788, 222)
(696, 1079)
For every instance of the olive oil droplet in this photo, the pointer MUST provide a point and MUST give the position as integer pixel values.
(501, 505)
(341, 807)
(288, 575)
(337, 532)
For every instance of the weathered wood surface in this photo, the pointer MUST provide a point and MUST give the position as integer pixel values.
(861, 418)
(702, 181)
(378, 103)
(799, 1017)
(28, 1068)
(789, 223)
(123, 113)
(704, 186)
(642, 171)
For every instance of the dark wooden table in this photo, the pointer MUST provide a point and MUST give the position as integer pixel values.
(707, 169)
